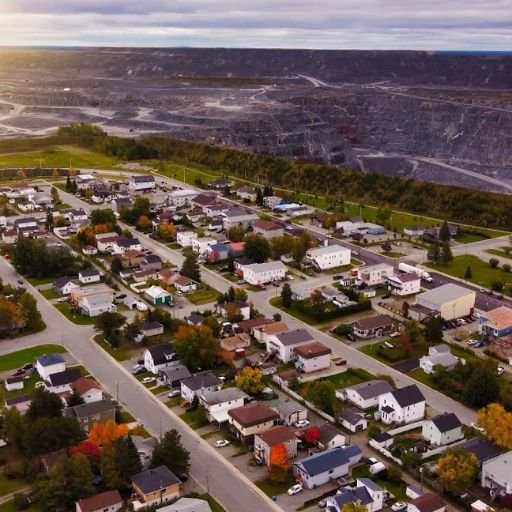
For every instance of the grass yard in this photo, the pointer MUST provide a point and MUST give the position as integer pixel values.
(203, 296)
(76, 318)
(468, 237)
(126, 417)
(349, 378)
(214, 504)
(194, 419)
(17, 359)
(8, 485)
(9, 506)
(483, 274)
(275, 489)
(394, 353)
(392, 254)
(119, 354)
(501, 252)
(37, 281)
(397, 489)
(49, 294)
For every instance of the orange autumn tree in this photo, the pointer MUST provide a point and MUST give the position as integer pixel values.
(279, 464)
(167, 231)
(105, 433)
(88, 448)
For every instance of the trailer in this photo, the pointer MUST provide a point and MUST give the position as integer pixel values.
(405, 267)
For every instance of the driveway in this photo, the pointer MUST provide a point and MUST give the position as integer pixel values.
(407, 366)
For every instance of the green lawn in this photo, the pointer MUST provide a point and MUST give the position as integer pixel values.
(119, 354)
(76, 318)
(397, 489)
(275, 489)
(195, 419)
(214, 504)
(27, 355)
(468, 237)
(49, 294)
(501, 252)
(126, 417)
(8, 485)
(483, 274)
(62, 206)
(10, 507)
(394, 353)
(392, 254)
(37, 281)
(58, 156)
(350, 377)
(203, 296)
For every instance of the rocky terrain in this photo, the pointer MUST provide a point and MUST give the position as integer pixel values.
(435, 116)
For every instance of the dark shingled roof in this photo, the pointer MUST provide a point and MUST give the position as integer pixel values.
(91, 408)
(324, 461)
(161, 353)
(409, 395)
(446, 421)
(428, 503)
(65, 377)
(155, 479)
(482, 448)
(201, 380)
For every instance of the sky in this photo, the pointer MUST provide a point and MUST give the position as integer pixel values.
(331, 24)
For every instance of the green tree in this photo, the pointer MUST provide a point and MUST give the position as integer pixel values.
(444, 232)
(446, 254)
(44, 405)
(68, 184)
(468, 274)
(126, 458)
(410, 459)
(434, 330)
(457, 469)
(196, 346)
(76, 474)
(434, 252)
(47, 435)
(14, 428)
(55, 195)
(75, 398)
(52, 496)
(250, 380)
(382, 216)
(300, 246)
(109, 468)
(171, 453)
(236, 233)
(141, 206)
(116, 265)
(482, 386)
(190, 267)
(497, 285)
(494, 262)
(321, 394)
(109, 324)
(28, 304)
(103, 216)
(414, 331)
(257, 248)
(286, 295)
(354, 506)
(506, 267)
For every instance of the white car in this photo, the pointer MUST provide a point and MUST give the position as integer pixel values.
(294, 489)
(141, 306)
(174, 392)
(399, 505)
(62, 299)
(221, 443)
(148, 380)
(476, 427)
(500, 370)
(301, 424)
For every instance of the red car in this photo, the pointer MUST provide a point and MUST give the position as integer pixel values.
(261, 286)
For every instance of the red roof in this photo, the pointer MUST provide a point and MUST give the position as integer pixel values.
(100, 501)
(83, 384)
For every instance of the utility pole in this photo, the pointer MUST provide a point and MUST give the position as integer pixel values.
(117, 391)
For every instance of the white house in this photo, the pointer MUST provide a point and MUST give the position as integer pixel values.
(185, 285)
(403, 405)
(200, 245)
(365, 394)
(238, 217)
(372, 275)
(14, 383)
(404, 284)
(330, 437)
(62, 382)
(443, 429)
(439, 355)
(327, 466)
(272, 201)
(285, 343)
(185, 238)
(181, 197)
(65, 285)
(88, 389)
(143, 183)
(95, 305)
(236, 305)
(261, 273)
(246, 192)
(159, 357)
(496, 474)
(312, 357)
(108, 501)
(48, 364)
(199, 384)
(90, 275)
(157, 295)
(353, 419)
(365, 491)
(267, 229)
(84, 181)
(329, 256)
(218, 403)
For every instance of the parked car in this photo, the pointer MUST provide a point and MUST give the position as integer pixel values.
(62, 299)
(18, 372)
(148, 380)
(500, 370)
(294, 489)
(141, 306)
(473, 341)
(20, 281)
(174, 392)
(301, 424)
(398, 506)
(341, 362)
(240, 281)
(221, 443)
(261, 286)
(138, 371)
(27, 366)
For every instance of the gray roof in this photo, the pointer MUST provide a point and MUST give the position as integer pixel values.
(409, 395)
(187, 505)
(201, 380)
(149, 326)
(18, 399)
(324, 461)
(372, 388)
(89, 272)
(446, 421)
(224, 395)
(293, 337)
(359, 494)
(370, 484)
(92, 408)
(237, 212)
(62, 281)
(176, 372)
(155, 479)
(352, 415)
(482, 448)
(328, 433)
(48, 360)
(288, 408)
(446, 293)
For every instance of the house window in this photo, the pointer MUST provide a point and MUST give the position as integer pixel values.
(330, 472)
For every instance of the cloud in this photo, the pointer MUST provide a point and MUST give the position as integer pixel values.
(376, 24)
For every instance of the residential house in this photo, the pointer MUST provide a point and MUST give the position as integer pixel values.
(251, 419)
(20, 402)
(236, 342)
(241, 263)
(167, 276)
(497, 476)
(312, 357)
(373, 326)
(143, 183)
(272, 201)
(236, 249)
(220, 184)
(118, 203)
(438, 355)
(151, 328)
(200, 245)
(173, 375)
(248, 326)
(105, 242)
(262, 332)
(330, 437)
(89, 414)
(329, 256)
(24, 223)
(427, 503)
(237, 305)
(291, 412)
(217, 252)
(373, 275)
(185, 284)
(144, 447)
(365, 492)
(246, 192)
(414, 231)
(194, 319)
(268, 367)
(123, 244)
(199, 384)
(84, 181)
(158, 357)
(353, 419)
(265, 442)
(142, 276)
(157, 295)
(64, 285)
(14, 383)
(9, 236)
(48, 364)
(89, 250)
(284, 377)
(481, 448)
(101, 194)
(88, 389)
(261, 273)
(404, 284)
(78, 294)
(267, 229)
(403, 405)
(90, 275)
(449, 301)
(327, 466)
(238, 217)
(78, 216)
(213, 211)
(97, 304)
(151, 262)
(203, 200)
(108, 501)
(218, 403)
(181, 197)
(443, 429)
(185, 238)
(285, 343)
(61, 382)
(366, 394)
(187, 505)
(154, 487)
(496, 323)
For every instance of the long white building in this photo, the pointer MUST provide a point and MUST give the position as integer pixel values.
(329, 256)
(260, 273)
